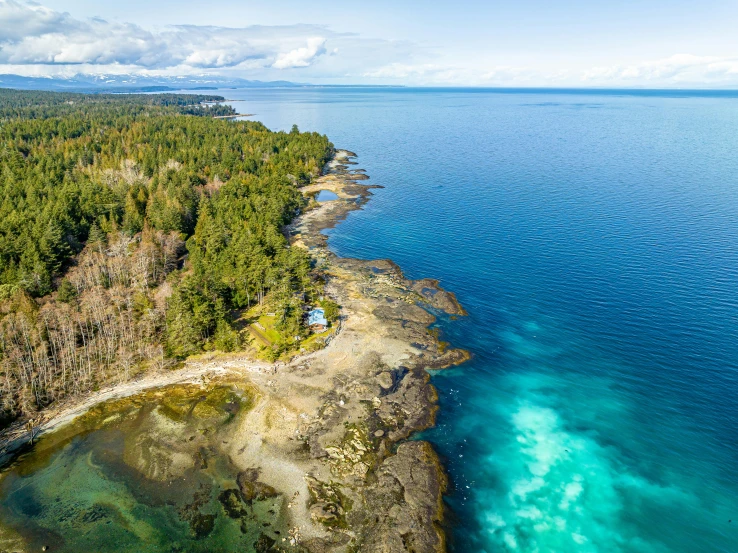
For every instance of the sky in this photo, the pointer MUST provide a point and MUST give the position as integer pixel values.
(569, 43)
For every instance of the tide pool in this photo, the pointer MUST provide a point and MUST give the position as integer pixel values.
(144, 473)
(326, 196)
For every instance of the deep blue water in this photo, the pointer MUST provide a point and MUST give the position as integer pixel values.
(593, 238)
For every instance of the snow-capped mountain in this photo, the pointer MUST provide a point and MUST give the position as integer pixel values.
(132, 83)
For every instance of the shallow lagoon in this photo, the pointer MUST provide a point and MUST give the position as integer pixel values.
(145, 473)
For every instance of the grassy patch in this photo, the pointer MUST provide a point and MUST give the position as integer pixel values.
(271, 333)
(316, 341)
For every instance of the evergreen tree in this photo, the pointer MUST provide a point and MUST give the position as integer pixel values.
(156, 220)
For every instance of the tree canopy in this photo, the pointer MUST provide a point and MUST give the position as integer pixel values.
(135, 222)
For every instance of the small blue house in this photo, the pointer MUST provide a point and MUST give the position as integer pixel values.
(316, 320)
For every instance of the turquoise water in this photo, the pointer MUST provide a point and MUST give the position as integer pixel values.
(593, 238)
(141, 474)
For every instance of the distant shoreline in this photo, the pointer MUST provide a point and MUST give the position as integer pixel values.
(236, 116)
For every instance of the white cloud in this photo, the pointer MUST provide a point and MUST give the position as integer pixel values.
(20, 20)
(31, 34)
(402, 71)
(301, 57)
(451, 74)
(680, 69)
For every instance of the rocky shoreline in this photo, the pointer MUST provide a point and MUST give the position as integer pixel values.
(401, 500)
(328, 431)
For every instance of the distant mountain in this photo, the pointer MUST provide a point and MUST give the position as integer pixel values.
(133, 83)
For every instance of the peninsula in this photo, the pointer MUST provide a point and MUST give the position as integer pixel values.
(317, 431)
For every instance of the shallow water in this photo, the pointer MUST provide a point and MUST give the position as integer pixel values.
(140, 474)
(593, 238)
(326, 196)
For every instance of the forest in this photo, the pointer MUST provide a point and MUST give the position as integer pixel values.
(133, 230)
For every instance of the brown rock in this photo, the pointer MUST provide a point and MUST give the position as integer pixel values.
(385, 379)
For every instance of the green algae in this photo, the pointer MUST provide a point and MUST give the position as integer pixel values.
(143, 473)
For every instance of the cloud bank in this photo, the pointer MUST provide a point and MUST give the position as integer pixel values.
(683, 71)
(32, 34)
(678, 69)
(36, 41)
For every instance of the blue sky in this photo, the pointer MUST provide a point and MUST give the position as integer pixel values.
(651, 43)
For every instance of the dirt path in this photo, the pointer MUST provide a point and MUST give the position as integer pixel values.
(256, 333)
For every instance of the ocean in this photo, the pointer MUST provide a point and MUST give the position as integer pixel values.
(593, 238)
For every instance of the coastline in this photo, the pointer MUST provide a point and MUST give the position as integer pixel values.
(402, 307)
(331, 426)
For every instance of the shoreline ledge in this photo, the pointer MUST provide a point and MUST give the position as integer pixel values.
(329, 429)
(402, 494)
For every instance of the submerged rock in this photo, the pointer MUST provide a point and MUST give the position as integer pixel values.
(232, 503)
(251, 489)
(264, 544)
(201, 525)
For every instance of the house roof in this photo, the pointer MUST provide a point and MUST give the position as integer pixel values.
(317, 317)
